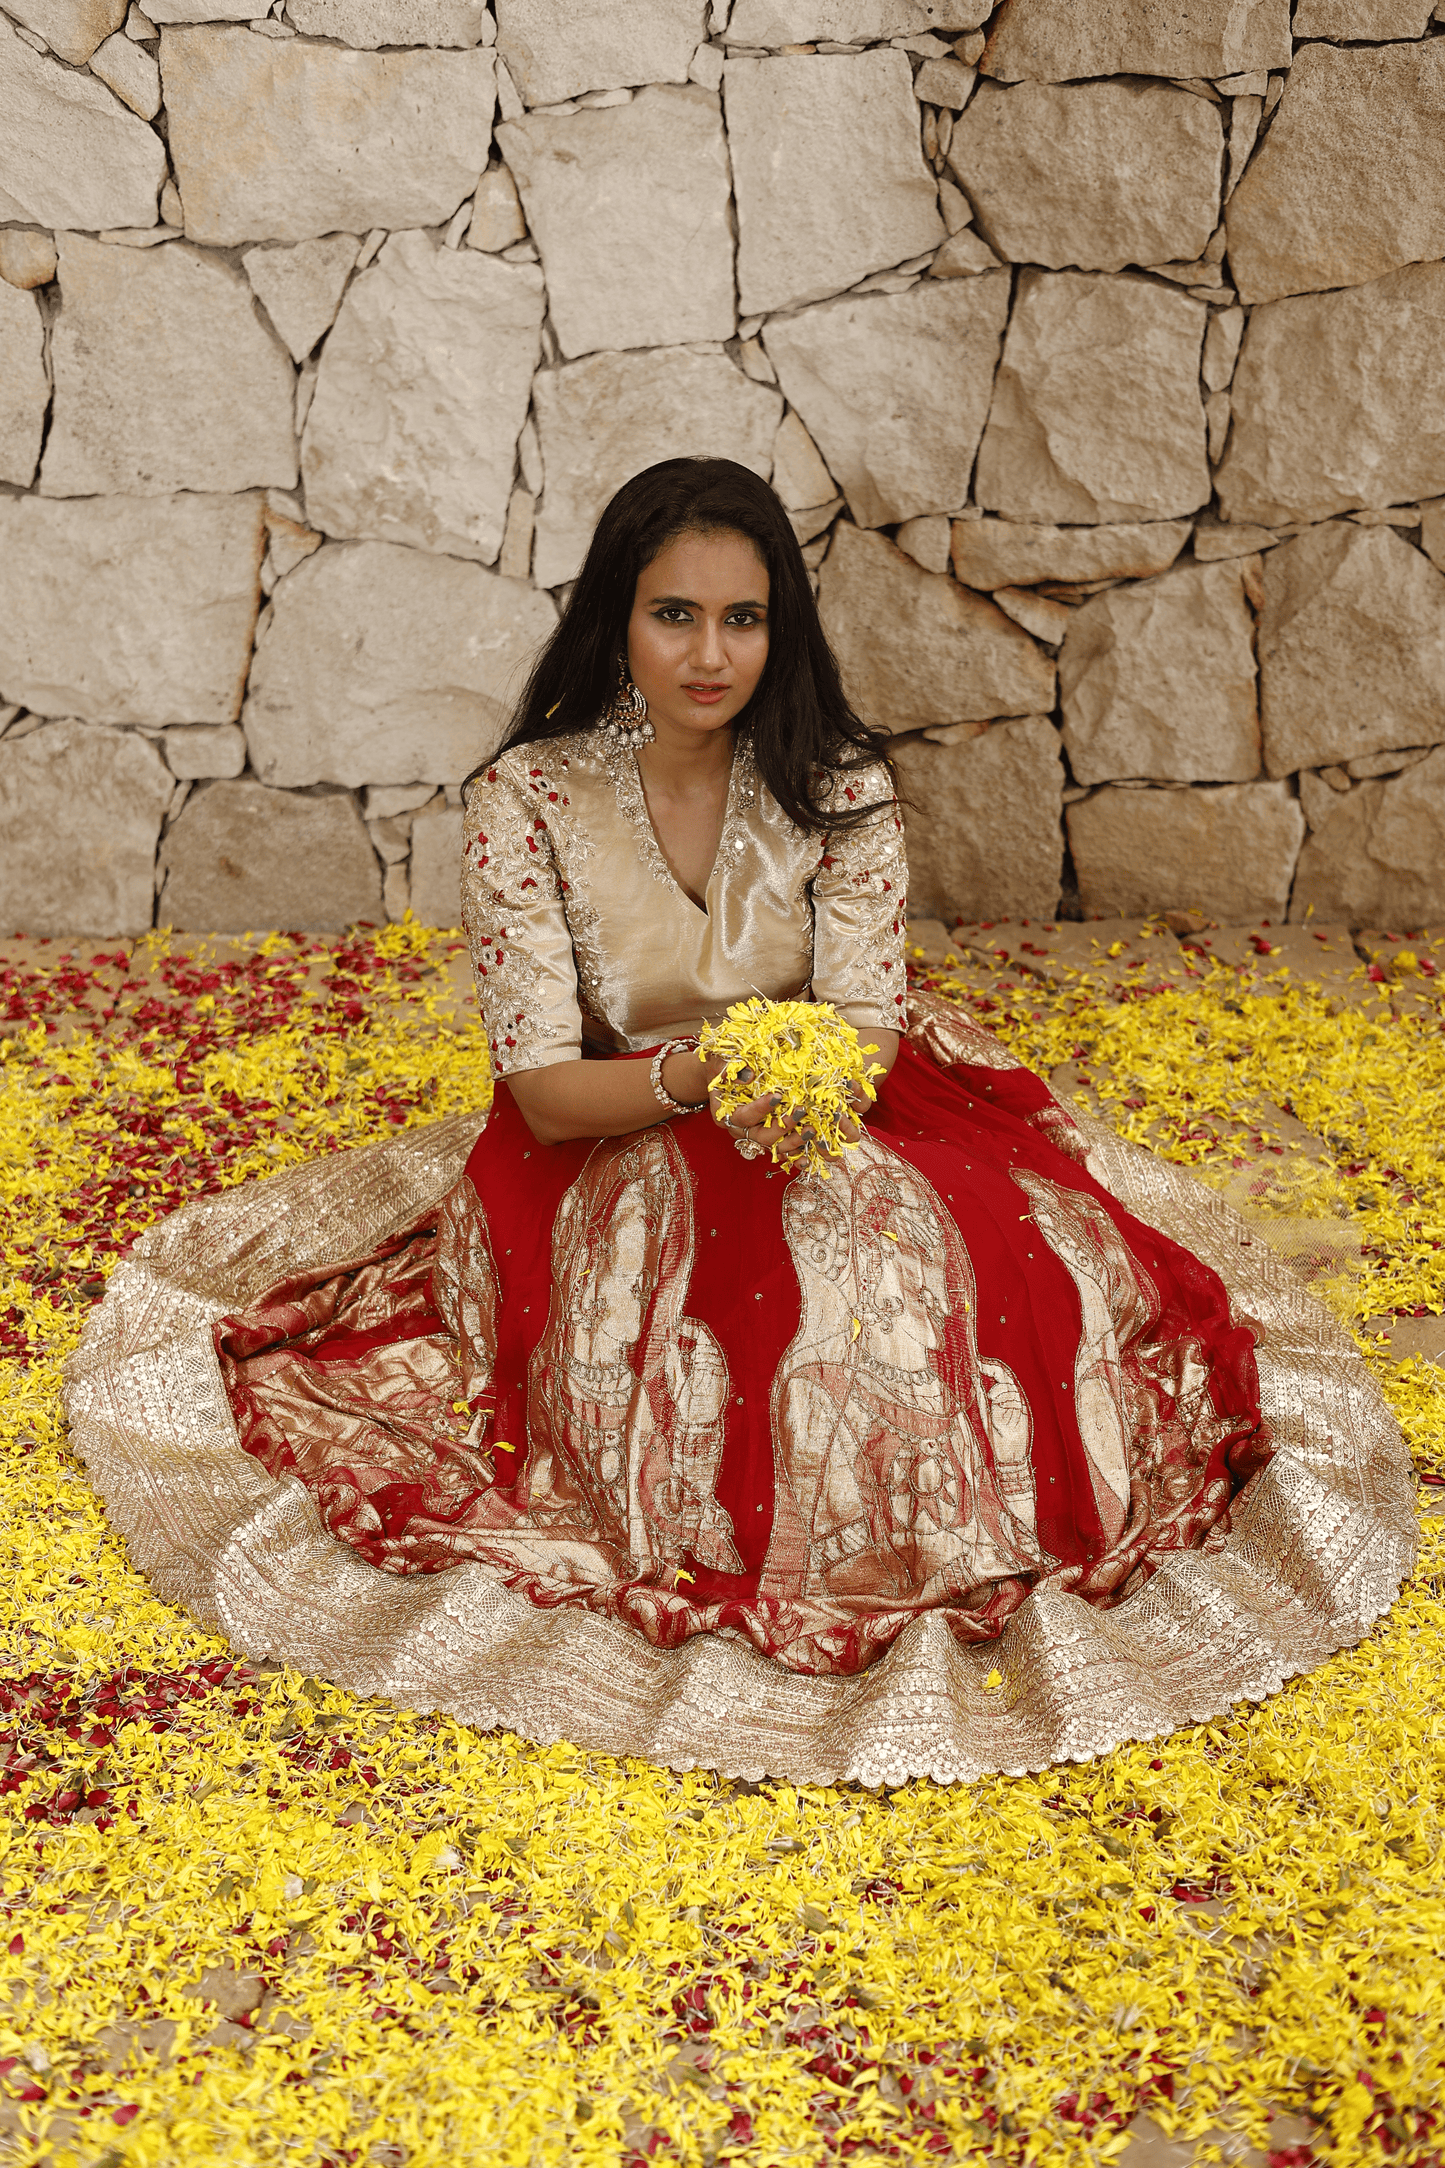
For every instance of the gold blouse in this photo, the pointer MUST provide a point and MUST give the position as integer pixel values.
(581, 936)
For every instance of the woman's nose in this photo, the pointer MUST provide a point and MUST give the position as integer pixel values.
(709, 651)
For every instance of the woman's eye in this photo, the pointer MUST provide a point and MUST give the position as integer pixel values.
(672, 613)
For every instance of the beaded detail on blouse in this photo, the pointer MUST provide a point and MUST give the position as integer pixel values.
(580, 934)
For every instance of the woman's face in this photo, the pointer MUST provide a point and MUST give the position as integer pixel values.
(697, 639)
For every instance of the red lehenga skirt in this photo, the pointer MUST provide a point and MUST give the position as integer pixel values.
(641, 1444)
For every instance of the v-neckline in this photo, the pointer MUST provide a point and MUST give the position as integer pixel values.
(632, 797)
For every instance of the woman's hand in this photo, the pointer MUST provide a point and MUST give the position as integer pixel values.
(752, 1126)
(758, 1127)
(755, 1129)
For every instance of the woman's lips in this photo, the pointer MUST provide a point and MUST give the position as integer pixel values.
(705, 693)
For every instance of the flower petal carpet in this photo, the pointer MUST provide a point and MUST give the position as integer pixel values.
(251, 1919)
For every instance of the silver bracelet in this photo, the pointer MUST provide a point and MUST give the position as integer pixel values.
(673, 1046)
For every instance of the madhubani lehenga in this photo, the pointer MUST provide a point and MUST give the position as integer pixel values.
(639, 1444)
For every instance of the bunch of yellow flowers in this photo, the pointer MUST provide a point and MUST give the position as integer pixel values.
(805, 1053)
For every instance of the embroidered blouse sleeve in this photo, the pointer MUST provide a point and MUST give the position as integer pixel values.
(512, 908)
(860, 892)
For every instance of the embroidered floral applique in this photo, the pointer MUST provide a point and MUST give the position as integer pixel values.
(860, 901)
(513, 911)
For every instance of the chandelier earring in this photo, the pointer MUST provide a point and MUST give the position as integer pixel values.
(625, 723)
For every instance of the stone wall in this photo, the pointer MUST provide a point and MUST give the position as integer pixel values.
(1096, 348)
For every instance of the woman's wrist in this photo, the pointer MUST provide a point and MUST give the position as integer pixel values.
(685, 1077)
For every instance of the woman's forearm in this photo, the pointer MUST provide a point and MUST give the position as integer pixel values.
(602, 1098)
(613, 1098)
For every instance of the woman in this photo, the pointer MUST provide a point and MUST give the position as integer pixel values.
(627, 1430)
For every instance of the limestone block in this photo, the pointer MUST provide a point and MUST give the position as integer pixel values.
(1039, 614)
(1221, 347)
(80, 817)
(1432, 532)
(1094, 174)
(386, 802)
(803, 132)
(945, 83)
(603, 419)
(1245, 115)
(849, 22)
(286, 141)
(514, 560)
(239, 856)
(1379, 857)
(1349, 183)
(1366, 19)
(1351, 647)
(956, 208)
(422, 392)
(195, 751)
(24, 386)
(288, 541)
(1213, 540)
(799, 475)
(1158, 680)
(387, 665)
(300, 288)
(143, 236)
(993, 553)
(1391, 763)
(396, 894)
(128, 70)
(1054, 41)
(917, 650)
(169, 586)
(509, 99)
(70, 153)
(592, 182)
(808, 524)
(962, 255)
(200, 11)
(497, 220)
(895, 389)
(1229, 852)
(558, 48)
(1330, 396)
(369, 23)
(164, 377)
(1316, 797)
(981, 822)
(391, 839)
(27, 257)
(925, 541)
(436, 866)
(72, 28)
(1096, 412)
(529, 457)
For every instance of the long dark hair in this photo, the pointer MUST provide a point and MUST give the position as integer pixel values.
(804, 733)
